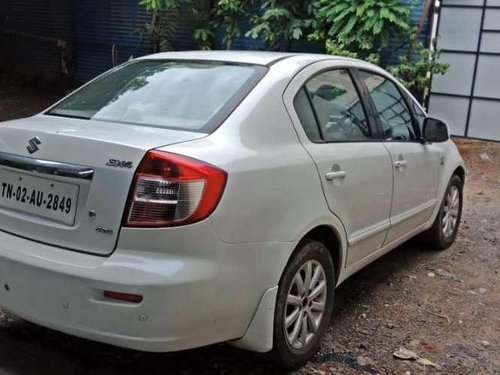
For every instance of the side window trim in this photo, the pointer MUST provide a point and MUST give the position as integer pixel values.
(315, 114)
(374, 131)
(405, 98)
(370, 110)
(416, 123)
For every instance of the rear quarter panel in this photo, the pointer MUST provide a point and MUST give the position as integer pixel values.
(273, 193)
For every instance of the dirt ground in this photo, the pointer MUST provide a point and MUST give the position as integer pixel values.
(442, 306)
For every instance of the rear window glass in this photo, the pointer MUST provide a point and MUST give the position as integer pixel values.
(184, 95)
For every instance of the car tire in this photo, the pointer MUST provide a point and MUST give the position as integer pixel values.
(297, 337)
(444, 230)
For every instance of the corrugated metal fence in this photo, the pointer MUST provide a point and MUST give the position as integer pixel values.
(106, 32)
(109, 32)
(29, 31)
(98, 34)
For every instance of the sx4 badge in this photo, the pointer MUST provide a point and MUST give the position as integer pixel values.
(119, 163)
(106, 231)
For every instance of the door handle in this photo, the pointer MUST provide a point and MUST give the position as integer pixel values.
(338, 175)
(400, 163)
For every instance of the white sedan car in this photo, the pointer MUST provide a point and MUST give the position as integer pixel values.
(186, 199)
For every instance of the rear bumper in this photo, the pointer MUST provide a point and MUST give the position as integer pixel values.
(204, 293)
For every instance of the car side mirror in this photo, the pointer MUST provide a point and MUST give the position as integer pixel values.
(435, 130)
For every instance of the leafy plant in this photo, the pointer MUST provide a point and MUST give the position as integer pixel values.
(361, 26)
(282, 21)
(204, 36)
(372, 30)
(164, 20)
(162, 26)
(365, 29)
(162, 5)
(333, 48)
(416, 73)
(225, 14)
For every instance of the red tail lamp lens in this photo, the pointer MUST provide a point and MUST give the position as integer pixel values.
(170, 190)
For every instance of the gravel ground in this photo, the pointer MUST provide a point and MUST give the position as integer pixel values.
(444, 307)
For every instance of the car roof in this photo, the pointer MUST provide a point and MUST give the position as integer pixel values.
(242, 57)
(265, 58)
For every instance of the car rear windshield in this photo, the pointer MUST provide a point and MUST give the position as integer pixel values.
(184, 95)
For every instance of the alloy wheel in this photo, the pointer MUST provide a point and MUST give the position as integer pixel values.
(305, 304)
(450, 211)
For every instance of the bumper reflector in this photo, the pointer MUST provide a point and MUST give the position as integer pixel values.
(133, 298)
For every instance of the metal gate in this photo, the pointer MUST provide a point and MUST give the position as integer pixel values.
(468, 95)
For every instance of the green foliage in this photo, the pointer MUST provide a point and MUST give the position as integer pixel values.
(361, 26)
(355, 28)
(162, 26)
(166, 13)
(225, 14)
(161, 5)
(160, 31)
(282, 21)
(333, 48)
(416, 74)
(204, 36)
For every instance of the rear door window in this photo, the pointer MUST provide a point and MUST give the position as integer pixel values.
(337, 108)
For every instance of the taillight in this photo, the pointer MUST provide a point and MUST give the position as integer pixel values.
(170, 190)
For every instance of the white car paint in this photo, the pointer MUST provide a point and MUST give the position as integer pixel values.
(214, 280)
(77, 142)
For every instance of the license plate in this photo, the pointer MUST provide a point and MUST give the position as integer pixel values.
(38, 196)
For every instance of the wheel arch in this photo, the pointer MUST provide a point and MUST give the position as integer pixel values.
(457, 169)
(330, 237)
(460, 172)
(259, 335)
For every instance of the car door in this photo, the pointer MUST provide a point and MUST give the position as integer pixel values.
(354, 168)
(415, 163)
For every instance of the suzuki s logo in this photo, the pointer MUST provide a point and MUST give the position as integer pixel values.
(33, 145)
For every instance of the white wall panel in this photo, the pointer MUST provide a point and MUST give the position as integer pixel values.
(452, 110)
(492, 19)
(490, 42)
(485, 120)
(488, 77)
(458, 79)
(459, 28)
(468, 95)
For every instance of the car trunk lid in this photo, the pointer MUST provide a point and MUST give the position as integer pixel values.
(65, 181)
